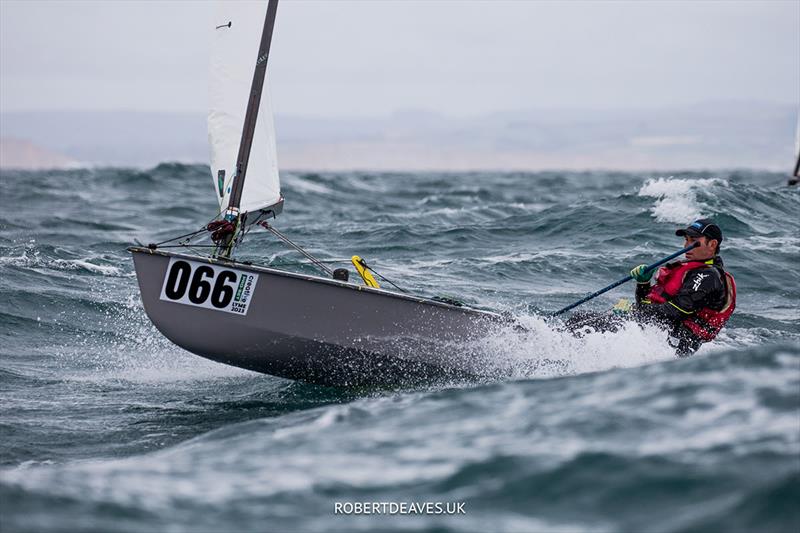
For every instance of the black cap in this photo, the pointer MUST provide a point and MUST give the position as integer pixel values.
(704, 227)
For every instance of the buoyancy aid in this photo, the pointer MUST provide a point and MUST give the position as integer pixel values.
(705, 323)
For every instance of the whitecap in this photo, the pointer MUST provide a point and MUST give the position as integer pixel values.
(32, 258)
(302, 185)
(676, 198)
(786, 243)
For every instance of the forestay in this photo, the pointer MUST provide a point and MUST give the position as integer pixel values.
(237, 33)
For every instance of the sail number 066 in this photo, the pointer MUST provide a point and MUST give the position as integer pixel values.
(207, 285)
(180, 279)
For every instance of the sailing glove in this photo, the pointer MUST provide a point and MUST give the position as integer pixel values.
(641, 275)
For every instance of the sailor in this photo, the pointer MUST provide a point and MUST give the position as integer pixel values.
(693, 298)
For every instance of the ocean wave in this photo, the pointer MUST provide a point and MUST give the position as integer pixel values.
(680, 434)
(32, 256)
(305, 183)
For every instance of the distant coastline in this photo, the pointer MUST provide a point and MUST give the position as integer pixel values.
(25, 155)
(754, 135)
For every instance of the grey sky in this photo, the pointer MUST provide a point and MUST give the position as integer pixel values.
(370, 58)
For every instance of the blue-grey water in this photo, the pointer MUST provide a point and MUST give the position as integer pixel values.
(106, 426)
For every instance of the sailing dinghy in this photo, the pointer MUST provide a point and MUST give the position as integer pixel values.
(317, 329)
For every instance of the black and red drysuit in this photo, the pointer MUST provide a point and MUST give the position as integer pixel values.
(692, 299)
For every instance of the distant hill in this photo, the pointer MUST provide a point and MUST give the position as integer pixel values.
(113, 138)
(22, 154)
(704, 136)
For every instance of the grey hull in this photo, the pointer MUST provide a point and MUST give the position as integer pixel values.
(319, 330)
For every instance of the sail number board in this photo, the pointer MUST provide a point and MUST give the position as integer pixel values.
(210, 286)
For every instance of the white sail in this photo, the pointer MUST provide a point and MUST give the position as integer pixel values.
(796, 172)
(237, 34)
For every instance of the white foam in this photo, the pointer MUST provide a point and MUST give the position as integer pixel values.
(785, 244)
(541, 350)
(524, 257)
(77, 264)
(292, 181)
(162, 367)
(677, 197)
(32, 258)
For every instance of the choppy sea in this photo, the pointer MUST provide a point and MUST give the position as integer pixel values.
(107, 426)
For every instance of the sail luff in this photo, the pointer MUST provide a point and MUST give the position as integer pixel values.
(253, 104)
(796, 172)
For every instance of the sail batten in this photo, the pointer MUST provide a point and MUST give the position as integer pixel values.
(237, 85)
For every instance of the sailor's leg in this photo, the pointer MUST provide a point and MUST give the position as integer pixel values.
(584, 322)
(684, 341)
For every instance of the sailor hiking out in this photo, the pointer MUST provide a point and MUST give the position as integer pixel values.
(692, 298)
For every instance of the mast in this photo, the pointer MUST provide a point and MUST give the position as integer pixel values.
(259, 74)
